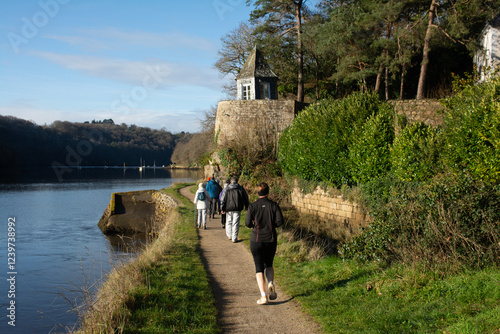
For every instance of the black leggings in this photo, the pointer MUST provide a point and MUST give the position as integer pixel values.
(263, 254)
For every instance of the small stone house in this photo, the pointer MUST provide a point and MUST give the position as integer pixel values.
(488, 58)
(256, 80)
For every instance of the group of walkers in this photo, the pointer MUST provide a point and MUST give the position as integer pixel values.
(263, 216)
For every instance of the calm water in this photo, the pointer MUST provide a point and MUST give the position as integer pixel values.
(59, 249)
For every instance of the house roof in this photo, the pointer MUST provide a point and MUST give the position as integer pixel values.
(496, 21)
(255, 66)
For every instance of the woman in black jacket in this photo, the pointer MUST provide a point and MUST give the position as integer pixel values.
(263, 217)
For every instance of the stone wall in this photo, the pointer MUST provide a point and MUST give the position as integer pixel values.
(330, 208)
(426, 111)
(233, 116)
(142, 211)
(163, 204)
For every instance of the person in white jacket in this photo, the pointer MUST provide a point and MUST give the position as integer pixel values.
(201, 201)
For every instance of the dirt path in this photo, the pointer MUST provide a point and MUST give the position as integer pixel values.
(232, 276)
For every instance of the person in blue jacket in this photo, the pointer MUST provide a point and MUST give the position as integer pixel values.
(214, 189)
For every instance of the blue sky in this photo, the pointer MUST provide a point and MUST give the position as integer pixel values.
(148, 63)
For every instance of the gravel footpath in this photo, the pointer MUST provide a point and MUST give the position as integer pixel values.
(232, 277)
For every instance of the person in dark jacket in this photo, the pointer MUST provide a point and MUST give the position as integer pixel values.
(263, 217)
(223, 214)
(233, 200)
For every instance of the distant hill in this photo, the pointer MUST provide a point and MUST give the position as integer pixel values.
(26, 144)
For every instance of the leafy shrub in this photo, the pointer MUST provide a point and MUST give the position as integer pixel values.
(369, 156)
(472, 131)
(316, 146)
(445, 219)
(373, 243)
(415, 153)
(229, 160)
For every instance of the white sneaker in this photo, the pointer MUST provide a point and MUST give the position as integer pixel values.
(271, 291)
(262, 300)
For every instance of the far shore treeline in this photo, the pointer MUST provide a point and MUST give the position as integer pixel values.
(26, 144)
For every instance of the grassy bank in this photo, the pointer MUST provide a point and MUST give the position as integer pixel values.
(348, 297)
(164, 290)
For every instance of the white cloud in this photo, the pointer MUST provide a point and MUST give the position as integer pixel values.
(150, 74)
(88, 43)
(112, 38)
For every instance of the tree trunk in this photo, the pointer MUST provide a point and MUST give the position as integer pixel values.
(425, 58)
(317, 76)
(387, 83)
(401, 87)
(379, 77)
(300, 85)
(386, 54)
(337, 80)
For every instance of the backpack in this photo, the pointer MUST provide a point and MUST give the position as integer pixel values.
(201, 196)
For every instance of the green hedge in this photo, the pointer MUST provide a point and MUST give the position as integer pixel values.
(316, 146)
(472, 131)
(369, 153)
(415, 153)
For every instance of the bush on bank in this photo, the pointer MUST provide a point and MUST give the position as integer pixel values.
(448, 219)
(316, 146)
(472, 131)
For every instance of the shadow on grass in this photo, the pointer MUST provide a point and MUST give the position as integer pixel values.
(327, 286)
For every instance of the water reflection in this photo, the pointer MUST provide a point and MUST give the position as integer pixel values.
(121, 243)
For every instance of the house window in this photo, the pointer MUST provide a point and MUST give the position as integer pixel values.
(265, 90)
(245, 92)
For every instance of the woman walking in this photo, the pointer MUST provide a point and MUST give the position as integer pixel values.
(201, 202)
(263, 217)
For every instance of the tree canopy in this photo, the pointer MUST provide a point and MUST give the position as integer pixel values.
(399, 48)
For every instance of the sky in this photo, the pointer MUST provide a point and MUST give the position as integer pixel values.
(148, 63)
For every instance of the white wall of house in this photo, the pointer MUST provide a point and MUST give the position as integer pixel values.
(488, 59)
(246, 82)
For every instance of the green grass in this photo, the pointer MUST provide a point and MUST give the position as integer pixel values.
(402, 299)
(176, 297)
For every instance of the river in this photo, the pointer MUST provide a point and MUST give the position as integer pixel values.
(59, 251)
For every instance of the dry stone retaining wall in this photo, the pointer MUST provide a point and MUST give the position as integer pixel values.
(331, 208)
(426, 111)
(163, 203)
